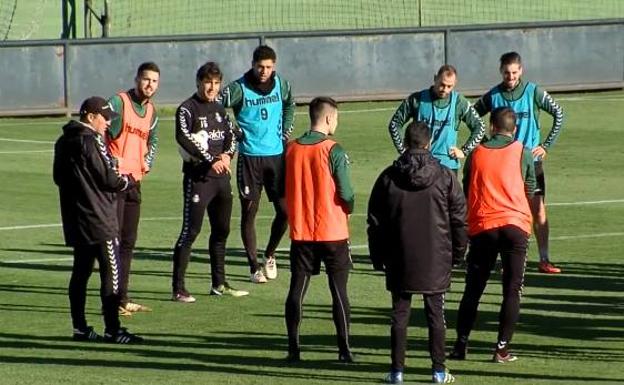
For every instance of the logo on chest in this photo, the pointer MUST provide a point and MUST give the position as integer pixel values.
(135, 131)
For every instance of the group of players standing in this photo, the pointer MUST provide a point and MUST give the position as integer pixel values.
(101, 159)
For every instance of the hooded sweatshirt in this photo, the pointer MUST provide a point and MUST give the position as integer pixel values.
(417, 224)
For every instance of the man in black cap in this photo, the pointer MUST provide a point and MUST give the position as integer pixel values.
(87, 179)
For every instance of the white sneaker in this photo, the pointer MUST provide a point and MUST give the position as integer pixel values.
(257, 277)
(270, 267)
(226, 289)
(183, 296)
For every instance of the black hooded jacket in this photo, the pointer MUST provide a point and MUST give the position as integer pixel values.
(417, 224)
(87, 180)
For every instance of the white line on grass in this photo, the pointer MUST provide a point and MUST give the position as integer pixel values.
(353, 247)
(585, 236)
(583, 203)
(178, 218)
(25, 141)
(363, 110)
(25, 152)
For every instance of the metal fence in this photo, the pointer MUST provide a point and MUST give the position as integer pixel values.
(54, 76)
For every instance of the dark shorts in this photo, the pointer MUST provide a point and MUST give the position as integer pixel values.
(306, 257)
(255, 172)
(540, 179)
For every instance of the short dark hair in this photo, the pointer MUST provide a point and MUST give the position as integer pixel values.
(318, 106)
(446, 70)
(147, 66)
(264, 52)
(503, 120)
(417, 135)
(209, 70)
(510, 58)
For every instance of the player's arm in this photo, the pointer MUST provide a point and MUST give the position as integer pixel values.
(183, 130)
(116, 105)
(474, 123)
(484, 104)
(152, 143)
(402, 115)
(457, 218)
(288, 109)
(101, 165)
(378, 223)
(546, 103)
(230, 142)
(222, 164)
(339, 162)
(528, 173)
(466, 175)
(232, 97)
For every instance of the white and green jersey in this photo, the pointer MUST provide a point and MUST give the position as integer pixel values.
(265, 117)
(526, 100)
(443, 117)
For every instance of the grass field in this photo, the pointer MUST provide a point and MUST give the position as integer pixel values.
(41, 19)
(571, 328)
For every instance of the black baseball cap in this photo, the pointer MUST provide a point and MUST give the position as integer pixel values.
(97, 105)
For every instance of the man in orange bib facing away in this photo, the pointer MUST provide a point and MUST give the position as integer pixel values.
(319, 199)
(499, 181)
(133, 141)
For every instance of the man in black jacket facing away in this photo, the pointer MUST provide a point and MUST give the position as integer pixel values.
(87, 179)
(416, 230)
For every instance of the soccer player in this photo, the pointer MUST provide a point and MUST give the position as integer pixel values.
(88, 181)
(133, 141)
(319, 198)
(442, 109)
(206, 185)
(416, 230)
(499, 180)
(527, 99)
(264, 107)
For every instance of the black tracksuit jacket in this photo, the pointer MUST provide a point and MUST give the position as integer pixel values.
(417, 224)
(87, 180)
(194, 115)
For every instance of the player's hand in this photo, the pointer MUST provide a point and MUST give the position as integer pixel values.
(456, 153)
(539, 152)
(225, 158)
(221, 167)
(130, 182)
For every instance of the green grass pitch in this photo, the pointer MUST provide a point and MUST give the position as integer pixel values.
(571, 328)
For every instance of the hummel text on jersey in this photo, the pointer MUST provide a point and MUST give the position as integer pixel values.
(262, 100)
(135, 131)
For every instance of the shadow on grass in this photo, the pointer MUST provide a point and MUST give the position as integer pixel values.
(242, 354)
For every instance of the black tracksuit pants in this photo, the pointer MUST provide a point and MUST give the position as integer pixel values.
(434, 312)
(249, 209)
(128, 213)
(253, 173)
(305, 258)
(106, 254)
(511, 242)
(214, 196)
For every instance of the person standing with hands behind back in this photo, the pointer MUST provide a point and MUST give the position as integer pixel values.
(319, 198)
(265, 109)
(499, 180)
(133, 141)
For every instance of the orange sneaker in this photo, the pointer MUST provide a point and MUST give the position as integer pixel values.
(548, 268)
